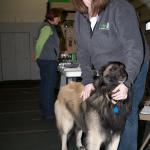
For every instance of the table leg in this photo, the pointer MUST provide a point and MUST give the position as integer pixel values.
(145, 142)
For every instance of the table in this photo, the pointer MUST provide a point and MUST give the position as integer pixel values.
(68, 74)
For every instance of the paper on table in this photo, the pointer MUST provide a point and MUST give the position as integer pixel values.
(72, 69)
(145, 110)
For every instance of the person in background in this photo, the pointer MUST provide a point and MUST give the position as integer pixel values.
(46, 55)
(108, 30)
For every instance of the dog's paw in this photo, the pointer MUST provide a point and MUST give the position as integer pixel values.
(82, 148)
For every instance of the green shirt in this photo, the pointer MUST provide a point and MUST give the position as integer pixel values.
(45, 33)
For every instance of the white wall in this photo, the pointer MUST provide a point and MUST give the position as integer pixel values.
(66, 6)
(26, 10)
(18, 17)
(17, 41)
(22, 10)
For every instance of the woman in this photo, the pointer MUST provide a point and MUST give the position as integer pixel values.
(108, 30)
(46, 53)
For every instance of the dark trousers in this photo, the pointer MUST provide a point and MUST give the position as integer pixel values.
(130, 133)
(48, 73)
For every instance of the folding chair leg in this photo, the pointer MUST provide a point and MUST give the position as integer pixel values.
(145, 142)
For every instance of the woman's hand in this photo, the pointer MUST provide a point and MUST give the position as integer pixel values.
(87, 91)
(120, 92)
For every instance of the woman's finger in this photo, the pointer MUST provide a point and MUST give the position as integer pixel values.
(116, 89)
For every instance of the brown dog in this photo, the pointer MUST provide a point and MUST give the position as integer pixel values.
(100, 117)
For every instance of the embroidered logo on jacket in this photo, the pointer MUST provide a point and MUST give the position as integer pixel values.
(104, 26)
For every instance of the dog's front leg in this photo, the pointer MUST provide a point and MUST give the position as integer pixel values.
(94, 140)
(114, 143)
(94, 135)
(65, 129)
(64, 142)
(79, 140)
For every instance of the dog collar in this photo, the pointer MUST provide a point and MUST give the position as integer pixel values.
(116, 108)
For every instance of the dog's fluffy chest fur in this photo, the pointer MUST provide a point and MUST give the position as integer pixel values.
(104, 108)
